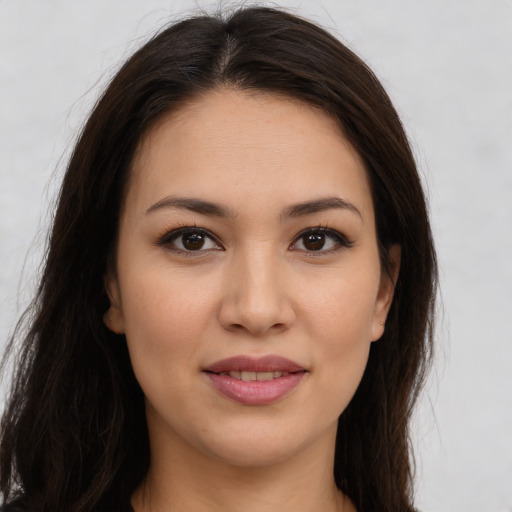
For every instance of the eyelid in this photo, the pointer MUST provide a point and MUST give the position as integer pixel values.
(342, 241)
(170, 235)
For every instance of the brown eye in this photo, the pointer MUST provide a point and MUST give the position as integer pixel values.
(190, 240)
(313, 241)
(321, 240)
(193, 241)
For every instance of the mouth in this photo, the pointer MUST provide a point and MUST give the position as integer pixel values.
(255, 381)
(258, 365)
(248, 376)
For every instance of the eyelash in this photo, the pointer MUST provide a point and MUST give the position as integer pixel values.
(169, 237)
(340, 240)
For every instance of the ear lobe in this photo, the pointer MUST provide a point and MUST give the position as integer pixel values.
(386, 291)
(113, 317)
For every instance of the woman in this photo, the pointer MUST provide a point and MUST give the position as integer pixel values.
(237, 304)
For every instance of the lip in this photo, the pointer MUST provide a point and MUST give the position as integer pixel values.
(255, 392)
(269, 363)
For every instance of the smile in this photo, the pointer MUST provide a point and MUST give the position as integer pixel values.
(255, 381)
(252, 376)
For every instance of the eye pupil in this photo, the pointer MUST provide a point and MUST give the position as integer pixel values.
(193, 241)
(314, 241)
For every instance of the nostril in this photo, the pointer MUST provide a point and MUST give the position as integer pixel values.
(257, 330)
(276, 328)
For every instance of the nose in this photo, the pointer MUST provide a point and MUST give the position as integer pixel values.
(256, 298)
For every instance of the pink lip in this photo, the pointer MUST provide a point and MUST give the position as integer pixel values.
(268, 363)
(255, 392)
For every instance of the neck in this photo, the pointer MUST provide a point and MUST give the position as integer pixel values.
(179, 482)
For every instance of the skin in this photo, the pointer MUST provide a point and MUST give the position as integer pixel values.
(254, 288)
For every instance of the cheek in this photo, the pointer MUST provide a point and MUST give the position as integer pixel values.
(343, 308)
(340, 323)
(164, 319)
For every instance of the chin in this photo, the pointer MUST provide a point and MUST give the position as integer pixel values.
(265, 445)
(250, 455)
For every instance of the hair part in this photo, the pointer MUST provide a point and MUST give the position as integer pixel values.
(74, 435)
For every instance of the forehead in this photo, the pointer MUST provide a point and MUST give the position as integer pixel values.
(228, 143)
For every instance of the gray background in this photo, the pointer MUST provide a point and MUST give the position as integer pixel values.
(447, 65)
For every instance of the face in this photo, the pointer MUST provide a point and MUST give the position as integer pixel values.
(248, 281)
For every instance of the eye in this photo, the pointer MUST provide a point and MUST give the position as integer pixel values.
(190, 240)
(320, 240)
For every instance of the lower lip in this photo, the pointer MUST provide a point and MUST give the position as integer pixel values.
(255, 392)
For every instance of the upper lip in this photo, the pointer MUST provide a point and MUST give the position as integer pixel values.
(269, 363)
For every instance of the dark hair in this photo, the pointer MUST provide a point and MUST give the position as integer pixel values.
(74, 436)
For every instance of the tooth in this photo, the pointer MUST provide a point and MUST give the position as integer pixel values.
(247, 376)
(235, 374)
(276, 375)
(265, 375)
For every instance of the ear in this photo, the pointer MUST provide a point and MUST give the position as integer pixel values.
(386, 292)
(113, 317)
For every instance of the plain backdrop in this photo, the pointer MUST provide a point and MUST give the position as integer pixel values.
(447, 65)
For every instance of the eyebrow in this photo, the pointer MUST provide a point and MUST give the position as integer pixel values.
(320, 205)
(213, 209)
(194, 205)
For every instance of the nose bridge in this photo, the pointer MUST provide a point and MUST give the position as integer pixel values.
(256, 298)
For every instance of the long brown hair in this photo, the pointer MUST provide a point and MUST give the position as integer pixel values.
(74, 436)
